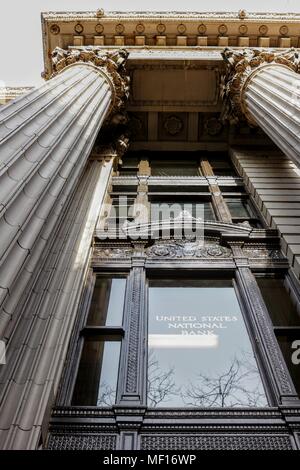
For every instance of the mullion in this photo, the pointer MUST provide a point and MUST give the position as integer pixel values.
(103, 331)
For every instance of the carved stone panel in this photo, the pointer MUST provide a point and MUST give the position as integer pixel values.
(82, 441)
(216, 442)
(186, 249)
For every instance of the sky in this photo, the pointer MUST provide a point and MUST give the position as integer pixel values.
(21, 40)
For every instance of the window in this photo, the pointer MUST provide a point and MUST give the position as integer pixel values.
(167, 209)
(284, 311)
(129, 166)
(199, 352)
(106, 307)
(231, 203)
(96, 381)
(222, 165)
(122, 209)
(241, 210)
(171, 167)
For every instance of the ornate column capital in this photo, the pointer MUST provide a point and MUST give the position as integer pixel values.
(241, 67)
(110, 64)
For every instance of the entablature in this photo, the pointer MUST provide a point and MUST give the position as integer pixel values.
(149, 30)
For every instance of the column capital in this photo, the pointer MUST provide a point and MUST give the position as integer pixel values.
(241, 67)
(110, 64)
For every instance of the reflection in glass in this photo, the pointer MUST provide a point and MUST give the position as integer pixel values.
(96, 381)
(222, 165)
(199, 353)
(107, 303)
(174, 168)
(282, 310)
(129, 166)
(165, 210)
(239, 208)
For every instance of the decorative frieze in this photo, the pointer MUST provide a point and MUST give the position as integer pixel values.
(216, 442)
(186, 249)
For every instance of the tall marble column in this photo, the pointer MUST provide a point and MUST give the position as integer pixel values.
(46, 137)
(263, 87)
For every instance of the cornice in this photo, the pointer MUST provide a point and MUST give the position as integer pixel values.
(170, 15)
(167, 29)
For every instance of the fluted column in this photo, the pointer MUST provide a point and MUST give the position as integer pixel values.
(46, 137)
(264, 88)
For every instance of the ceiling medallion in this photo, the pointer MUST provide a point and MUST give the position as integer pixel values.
(173, 125)
(160, 28)
(140, 28)
(135, 125)
(202, 29)
(78, 28)
(181, 28)
(222, 29)
(99, 28)
(263, 29)
(120, 28)
(54, 29)
(283, 30)
(213, 126)
(243, 29)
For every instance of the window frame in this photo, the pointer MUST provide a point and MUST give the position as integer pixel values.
(154, 270)
(290, 331)
(227, 274)
(82, 330)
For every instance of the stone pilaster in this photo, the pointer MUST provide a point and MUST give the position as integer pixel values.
(264, 87)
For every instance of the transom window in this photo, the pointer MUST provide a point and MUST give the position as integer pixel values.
(187, 167)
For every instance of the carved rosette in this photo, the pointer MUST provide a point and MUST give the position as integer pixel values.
(186, 249)
(241, 66)
(111, 64)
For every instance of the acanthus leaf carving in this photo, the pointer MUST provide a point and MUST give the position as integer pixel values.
(111, 64)
(241, 65)
(186, 249)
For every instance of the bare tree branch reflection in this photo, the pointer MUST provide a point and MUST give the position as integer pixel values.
(160, 384)
(238, 385)
(106, 396)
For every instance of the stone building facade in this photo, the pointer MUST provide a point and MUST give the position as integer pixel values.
(121, 329)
